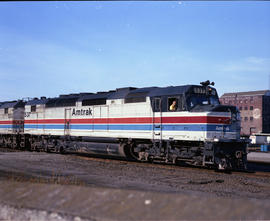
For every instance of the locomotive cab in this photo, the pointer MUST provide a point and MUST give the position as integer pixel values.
(199, 129)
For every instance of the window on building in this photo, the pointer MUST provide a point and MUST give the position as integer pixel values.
(33, 108)
(252, 130)
(240, 108)
(6, 110)
(251, 108)
(251, 118)
(246, 107)
(246, 118)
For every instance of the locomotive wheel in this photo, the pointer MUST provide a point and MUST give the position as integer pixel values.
(47, 149)
(61, 150)
(129, 152)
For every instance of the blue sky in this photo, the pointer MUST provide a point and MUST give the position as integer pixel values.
(52, 48)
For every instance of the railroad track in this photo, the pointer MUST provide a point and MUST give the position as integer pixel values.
(248, 173)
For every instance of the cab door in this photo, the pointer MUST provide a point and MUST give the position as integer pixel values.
(157, 119)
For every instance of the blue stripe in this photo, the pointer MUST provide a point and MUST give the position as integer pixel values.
(81, 126)
(5, 126)
(15, 126)
(130, 127)
(147, 127)
(44, 126)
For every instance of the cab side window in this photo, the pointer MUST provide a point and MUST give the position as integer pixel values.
(173, 103)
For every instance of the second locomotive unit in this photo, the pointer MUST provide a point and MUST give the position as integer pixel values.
(169, 124)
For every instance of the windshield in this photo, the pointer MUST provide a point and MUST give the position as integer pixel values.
(195, 100)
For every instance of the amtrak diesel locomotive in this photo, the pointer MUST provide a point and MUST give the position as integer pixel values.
(169, 124)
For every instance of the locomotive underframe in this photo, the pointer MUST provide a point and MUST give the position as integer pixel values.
(223, 155)
(218, 154)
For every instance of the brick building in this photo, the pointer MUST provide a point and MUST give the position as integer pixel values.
(254, 107)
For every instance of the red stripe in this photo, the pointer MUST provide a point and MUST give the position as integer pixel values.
(196, 120)
(142, 120)
(6, 122)
(11, 122)
(46, 121)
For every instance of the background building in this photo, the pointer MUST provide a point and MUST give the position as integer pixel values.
(255, 110)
